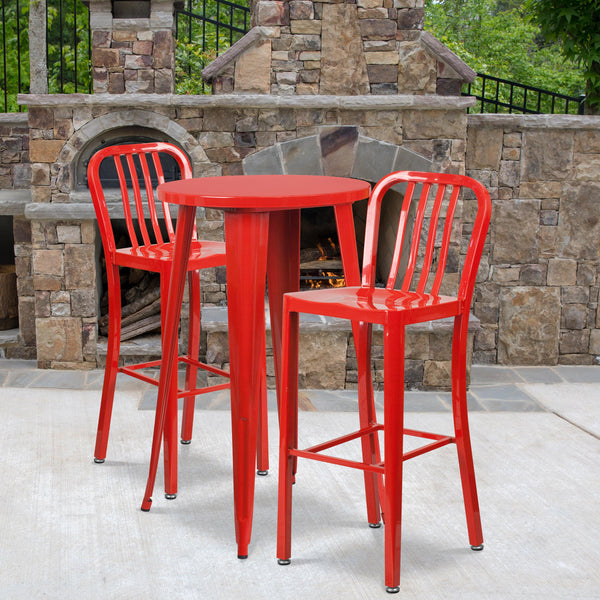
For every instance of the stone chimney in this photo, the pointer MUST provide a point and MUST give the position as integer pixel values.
(343, 48)
(133, 48)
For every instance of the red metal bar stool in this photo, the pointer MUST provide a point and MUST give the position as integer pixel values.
(422, 295)
(140, 169)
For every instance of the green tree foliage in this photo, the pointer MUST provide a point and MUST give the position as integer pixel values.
(201, 38)
(575, 24)
(497, 38)
(14, 53)
(68, 47)
(190, 59)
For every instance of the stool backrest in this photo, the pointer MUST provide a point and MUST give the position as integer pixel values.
(139, 171)
(433, 199)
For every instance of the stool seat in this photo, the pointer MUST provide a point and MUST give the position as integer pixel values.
(375, 304)
(155, 257)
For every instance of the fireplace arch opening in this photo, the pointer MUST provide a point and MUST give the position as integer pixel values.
(140, 290)
(340, 151)
(122, 135)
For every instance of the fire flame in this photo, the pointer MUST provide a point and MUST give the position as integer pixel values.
(324, 252)
(333, 281)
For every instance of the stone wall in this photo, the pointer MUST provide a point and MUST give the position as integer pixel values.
(15, 182)
(537, 294)
(296, 48)
(132, 55)
(389, 100)
(537, 291)
(59, 281)
(15, 172)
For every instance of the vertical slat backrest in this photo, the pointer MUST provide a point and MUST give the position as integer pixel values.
(413, 254)
(139, 200)
(161, 179)
(433, 198)
(140, 206)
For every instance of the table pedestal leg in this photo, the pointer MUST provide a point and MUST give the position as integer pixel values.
(283, 274)
(246, 236)
(170, 421)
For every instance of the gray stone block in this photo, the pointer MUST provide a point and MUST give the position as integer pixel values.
(302, 157)
(374, 159)
(265, 162)
(528, 328)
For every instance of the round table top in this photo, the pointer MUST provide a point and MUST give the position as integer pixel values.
(264, 192)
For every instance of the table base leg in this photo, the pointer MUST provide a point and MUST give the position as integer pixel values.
(283, 274)
(246, 236)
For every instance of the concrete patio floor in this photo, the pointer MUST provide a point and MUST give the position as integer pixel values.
(70, 528)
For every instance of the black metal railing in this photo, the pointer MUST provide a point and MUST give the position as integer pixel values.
(203, 30)
(68, 47)
(14, 52)
(496, 95)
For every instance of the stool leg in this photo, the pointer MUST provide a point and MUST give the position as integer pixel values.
(461, 429)
(185, 225)
(191, 378)
(170, 427)
(262, 447)
(288, 432)
(393, 366)
(366, 406)
(112, 362)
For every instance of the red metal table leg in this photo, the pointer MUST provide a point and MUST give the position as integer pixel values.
(262, 443)
(181, 255)
(283, 274)
(246, 236)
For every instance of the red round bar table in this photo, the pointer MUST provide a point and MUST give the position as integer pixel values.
(262, 236)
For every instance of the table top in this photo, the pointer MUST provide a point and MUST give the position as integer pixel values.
(264, 192)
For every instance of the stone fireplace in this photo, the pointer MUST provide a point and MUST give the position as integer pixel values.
(285, 100)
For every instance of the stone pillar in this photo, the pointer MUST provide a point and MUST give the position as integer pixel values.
(38, 68)
(59, 297)
(383, 52)
(133, 55)
(64, 281)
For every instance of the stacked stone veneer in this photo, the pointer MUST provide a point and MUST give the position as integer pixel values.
(537, 296)
(15, 181)
(365, 139)
(132, 55)
(298, 105)
(537, 291)
(15, 171)
(349, 47)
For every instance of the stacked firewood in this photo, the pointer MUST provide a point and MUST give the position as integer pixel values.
(140, 304)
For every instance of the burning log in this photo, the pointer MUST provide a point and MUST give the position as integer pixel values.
(321, 266)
